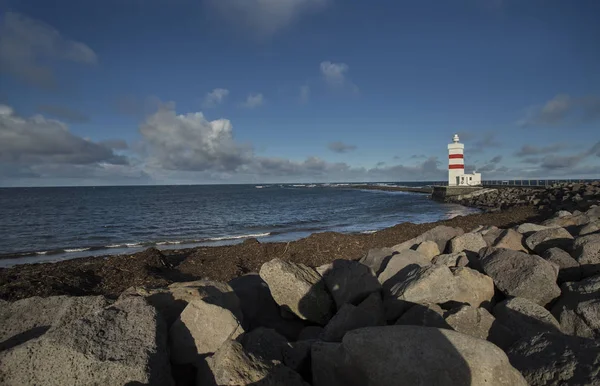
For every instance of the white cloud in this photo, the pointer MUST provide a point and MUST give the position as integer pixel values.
(38, 140)
(29, 48)
(215, 97)
(191, 142)
(264, 18)
(253, 101)
(334, 73)
(304, 94)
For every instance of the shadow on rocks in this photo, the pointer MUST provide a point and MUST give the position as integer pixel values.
(23, 337)
(386, 354)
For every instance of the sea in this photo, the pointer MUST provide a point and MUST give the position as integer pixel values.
(58, 223)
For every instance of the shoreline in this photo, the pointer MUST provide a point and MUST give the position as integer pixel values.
(110, 275)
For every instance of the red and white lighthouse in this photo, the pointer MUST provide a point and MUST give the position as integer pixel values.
(456, 161)
(456, 166)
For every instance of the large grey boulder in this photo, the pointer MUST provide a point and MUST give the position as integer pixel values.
(259, 309)
(545, 239)
(470, 243)
(478, 322)
(569, 268)
(201, 329)
(586, 250)
(557, 360)
(451, 260)
(519, 274)
(472, 287)
(350, 282)
(527, 229)
(399, 265)
(525, 317)
(296, 356)
(490, 234)
(171, 301)
(264, 343)
(427, 285)
(593, 213)
(428, 248)
(377, 259)
(232, 365)
(592, 227)
(441, 234)
(426, 315)
(125, 343)
(31, 317)
(299, 289)
(411, 355)
(578, 308)
(572, 223)
(368, 313)
(510, 239)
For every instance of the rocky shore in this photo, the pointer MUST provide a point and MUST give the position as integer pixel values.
(504, 298)
(565, 196)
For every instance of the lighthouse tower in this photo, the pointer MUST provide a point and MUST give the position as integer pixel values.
(456, 162)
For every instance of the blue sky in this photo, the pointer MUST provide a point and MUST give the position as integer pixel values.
(250, 91)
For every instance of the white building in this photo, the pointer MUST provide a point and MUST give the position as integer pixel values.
(456, 166)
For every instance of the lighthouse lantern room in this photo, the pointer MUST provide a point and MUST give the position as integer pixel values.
(456, 166)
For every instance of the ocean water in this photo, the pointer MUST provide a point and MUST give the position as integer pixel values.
(51, 224)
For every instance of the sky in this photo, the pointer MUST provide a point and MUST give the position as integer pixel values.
(138, 92)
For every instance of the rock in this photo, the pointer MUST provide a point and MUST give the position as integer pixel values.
(125, 343)
(368, 313)
(478, 322)
(427, 285)
(232, 365)
(451, 260)
(472, 287)
(586, 250)
(426, 315)
(31, 317)
(430, 284)
(264, 343)
(377, 259)
(298, 289)
(545, 239)
(557, 360)
(470, 243)
(428, 249)
(593, 227)
(296, 356)
(414, 356)
(441, 234)
(171, 301)
(259, 308)
(578, 308)
(525, 317)
(521, 275)
(569, 222)
(593, 213)
(510, 239)
(201, 328)
(527, 229)
(311, 333)
(490, 233)
(400, 265)
(350, 282)
(569, 268)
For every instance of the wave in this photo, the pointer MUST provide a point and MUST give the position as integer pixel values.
(70, 250)
(255, 235)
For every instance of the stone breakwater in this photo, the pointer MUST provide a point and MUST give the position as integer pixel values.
(571, 197)
(493, 306)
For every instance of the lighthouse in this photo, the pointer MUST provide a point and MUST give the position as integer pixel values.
(456, 166)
